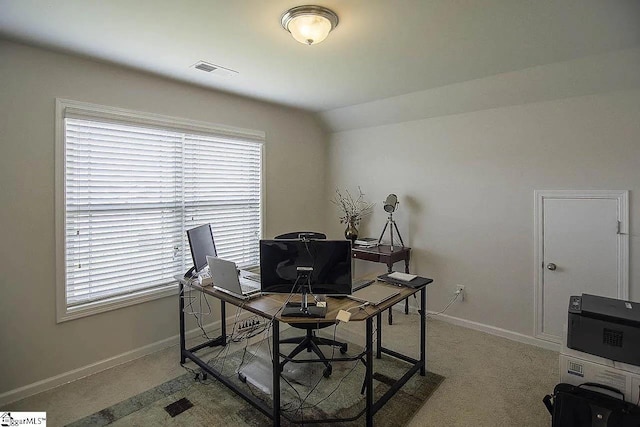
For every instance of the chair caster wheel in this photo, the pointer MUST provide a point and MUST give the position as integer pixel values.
(327, 371)
(343, 349)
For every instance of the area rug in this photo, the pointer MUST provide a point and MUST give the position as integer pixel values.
(305, 394)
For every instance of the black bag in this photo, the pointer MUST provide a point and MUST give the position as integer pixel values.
(577, 406)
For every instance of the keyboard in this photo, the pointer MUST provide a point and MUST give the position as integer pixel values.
(249, 283)
(251, 276)
(359, 284)
(248, 288)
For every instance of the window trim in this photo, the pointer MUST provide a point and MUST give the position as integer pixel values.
(67, 108)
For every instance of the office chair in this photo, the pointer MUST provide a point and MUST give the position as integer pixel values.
(310, 341)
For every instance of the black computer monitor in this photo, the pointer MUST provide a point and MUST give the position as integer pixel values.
(202, 245)
(283, 262)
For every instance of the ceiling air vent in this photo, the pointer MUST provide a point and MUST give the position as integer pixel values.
(217, 70)
(205, 67)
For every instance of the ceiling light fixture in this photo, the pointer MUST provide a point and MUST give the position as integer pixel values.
(309, 24)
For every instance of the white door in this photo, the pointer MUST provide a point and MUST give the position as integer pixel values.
(582, 251)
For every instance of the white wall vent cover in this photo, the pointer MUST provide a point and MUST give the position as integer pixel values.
(216, 70)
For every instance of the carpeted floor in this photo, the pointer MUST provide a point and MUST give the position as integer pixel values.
(490, 381)
(306, 394)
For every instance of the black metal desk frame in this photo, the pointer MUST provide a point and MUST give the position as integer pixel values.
(385, 255)
(274, 412)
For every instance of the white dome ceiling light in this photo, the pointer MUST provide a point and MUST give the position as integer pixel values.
(309, 24)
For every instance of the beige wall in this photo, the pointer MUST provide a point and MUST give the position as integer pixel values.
(466, 184)
(33, 346)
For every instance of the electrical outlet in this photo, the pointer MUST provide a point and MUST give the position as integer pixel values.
(460, 290)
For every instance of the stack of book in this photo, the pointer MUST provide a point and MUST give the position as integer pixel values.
(367, 242)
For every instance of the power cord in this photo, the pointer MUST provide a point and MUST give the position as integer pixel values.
(191, 310)
(455, 297)
(230, 338)
(345, 376)
(315, 405)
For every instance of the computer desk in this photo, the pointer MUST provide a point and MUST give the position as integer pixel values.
(268, 305)
(385, 254)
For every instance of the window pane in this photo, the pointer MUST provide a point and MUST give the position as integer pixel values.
(222, 187)
(123, 209)
(132, 192)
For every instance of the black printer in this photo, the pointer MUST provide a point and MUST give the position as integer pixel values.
(605, 327)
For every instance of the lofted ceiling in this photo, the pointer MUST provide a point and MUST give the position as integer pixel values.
(380, 49)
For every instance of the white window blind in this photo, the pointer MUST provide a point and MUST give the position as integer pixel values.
(132, 191)
(222, 181)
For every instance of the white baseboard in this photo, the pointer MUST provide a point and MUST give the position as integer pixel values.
(398, 310)
(504, 333)
(55, 381)
(493, 330)
(58, 380)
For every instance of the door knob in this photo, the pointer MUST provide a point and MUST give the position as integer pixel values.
(551, 266)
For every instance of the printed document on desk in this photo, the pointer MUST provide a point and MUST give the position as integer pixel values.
(405, 277)
(375, 294)
(415, 283)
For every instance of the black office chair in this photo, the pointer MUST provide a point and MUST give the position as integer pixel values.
(310, 341)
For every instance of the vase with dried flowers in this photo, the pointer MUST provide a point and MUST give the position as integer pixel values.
(352, 210)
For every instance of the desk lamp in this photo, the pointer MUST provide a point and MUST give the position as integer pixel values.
(390, 205)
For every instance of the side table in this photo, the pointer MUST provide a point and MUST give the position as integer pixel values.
(383, 254)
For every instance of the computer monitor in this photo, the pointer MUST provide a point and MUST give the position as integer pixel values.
(202, 244)
(324, 266)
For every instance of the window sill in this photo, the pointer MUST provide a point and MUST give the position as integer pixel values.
(91, 308)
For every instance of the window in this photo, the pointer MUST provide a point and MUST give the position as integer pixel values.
(129, 185)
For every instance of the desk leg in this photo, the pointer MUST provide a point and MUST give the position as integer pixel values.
(275, 336)
(223, 321)
(369, 372)
(181, 314)
(406, 270)
(423, 331)
(389, 270)
(379, 336)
